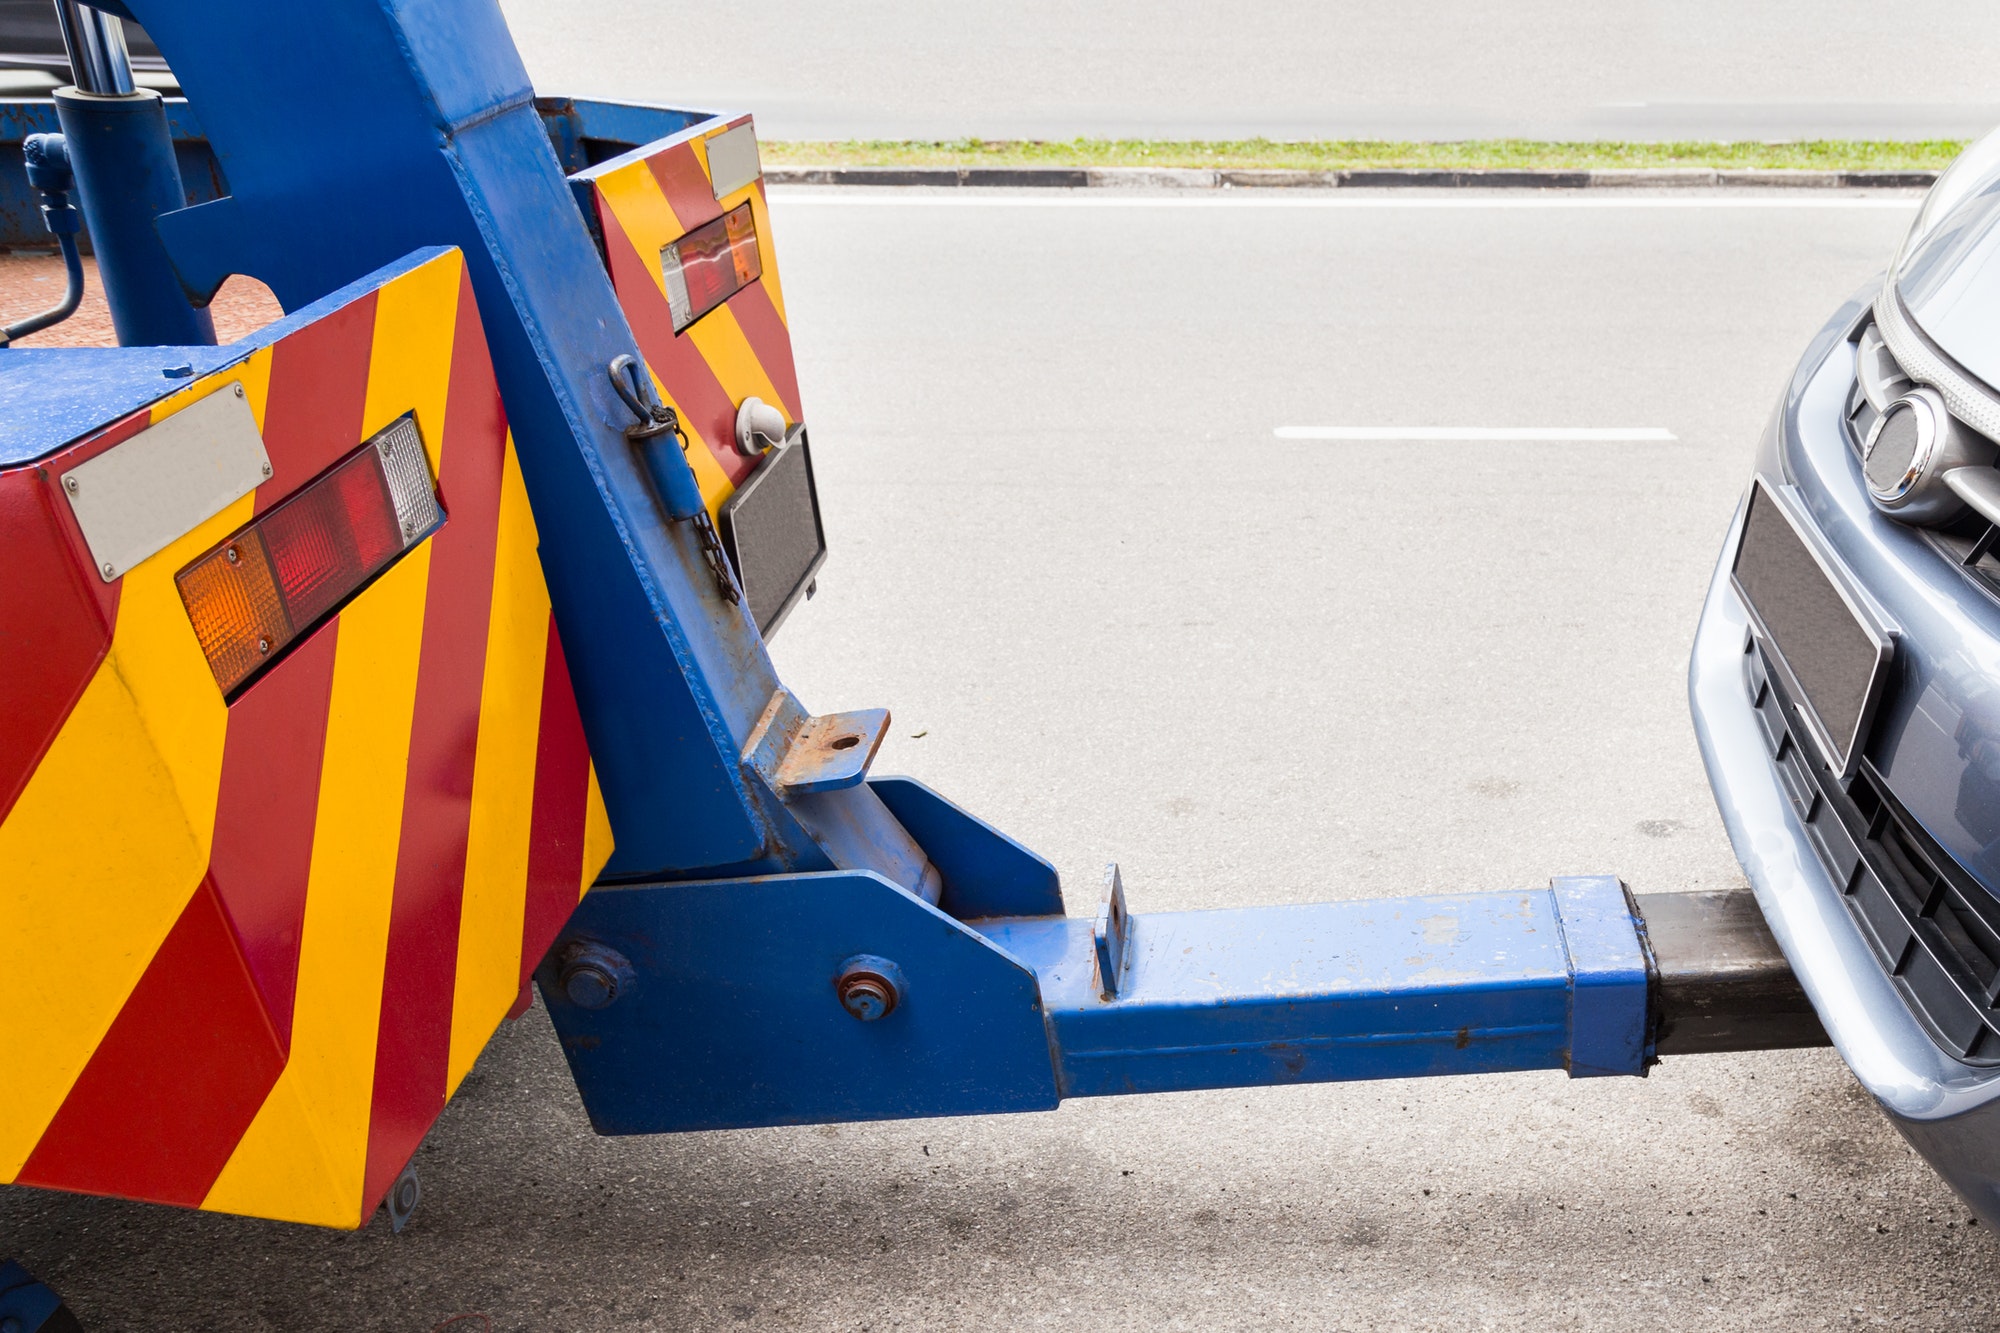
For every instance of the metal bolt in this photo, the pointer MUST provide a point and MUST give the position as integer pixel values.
(110, 570)
(591, 975)
(72, 485)
(231, 555)
(404, 1196)
(239, 388)
(263, 644)
(867, 995)
(267, 469)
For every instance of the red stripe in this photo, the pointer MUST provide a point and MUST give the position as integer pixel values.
(704, 403)
(55, 627)
(771, 341)
(168, 1092)
(562, 796)
(265, 813)
(686, 186)
(413, 1043)
(319, 391)
(769, 338)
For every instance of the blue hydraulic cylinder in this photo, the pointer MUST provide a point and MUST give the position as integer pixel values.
(123, 157)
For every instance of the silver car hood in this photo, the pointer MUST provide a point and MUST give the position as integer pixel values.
(1950, 281)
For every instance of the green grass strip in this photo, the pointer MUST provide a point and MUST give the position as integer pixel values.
(1335, 154)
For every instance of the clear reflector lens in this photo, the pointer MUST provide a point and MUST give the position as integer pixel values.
(276, 579)
(710, 264)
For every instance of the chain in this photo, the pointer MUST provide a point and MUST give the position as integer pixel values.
(718, 560)
(655, 418)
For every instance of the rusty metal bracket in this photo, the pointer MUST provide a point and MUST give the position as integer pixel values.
(798, 754)
(1111, 934)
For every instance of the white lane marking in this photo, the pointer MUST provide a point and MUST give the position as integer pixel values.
(1550, 433)
(972, 197)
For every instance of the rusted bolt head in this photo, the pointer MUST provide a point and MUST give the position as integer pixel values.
(589, 986)
(869, 987)
(593, 975)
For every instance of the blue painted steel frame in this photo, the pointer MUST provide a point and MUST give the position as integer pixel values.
(734, 1020)
(582, 131)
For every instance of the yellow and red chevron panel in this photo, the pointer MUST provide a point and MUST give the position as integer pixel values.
(743, 347)
(250, 946)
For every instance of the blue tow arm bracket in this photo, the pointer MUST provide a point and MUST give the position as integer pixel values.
(736, 1015)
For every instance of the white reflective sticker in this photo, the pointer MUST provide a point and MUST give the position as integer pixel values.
(139, 496)
(732, 159)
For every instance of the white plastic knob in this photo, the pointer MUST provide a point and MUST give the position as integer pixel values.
(759, 426)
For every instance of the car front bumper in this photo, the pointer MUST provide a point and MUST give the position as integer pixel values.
(1949, 1110)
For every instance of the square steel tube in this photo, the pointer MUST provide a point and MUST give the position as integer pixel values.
(1549, 978)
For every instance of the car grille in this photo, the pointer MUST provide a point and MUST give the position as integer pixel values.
(1934, 929)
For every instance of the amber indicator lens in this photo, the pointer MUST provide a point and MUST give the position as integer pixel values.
(276, 579)
(710, 264)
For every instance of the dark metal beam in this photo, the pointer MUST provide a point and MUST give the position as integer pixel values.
(1721, 983)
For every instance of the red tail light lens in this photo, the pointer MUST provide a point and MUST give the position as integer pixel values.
(711, 264)
(276, 579)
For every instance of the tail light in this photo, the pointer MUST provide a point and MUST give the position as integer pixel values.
(274, 580)
(710, 264)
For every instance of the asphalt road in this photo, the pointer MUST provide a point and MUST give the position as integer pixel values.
(1563, 69)
(1116, 617)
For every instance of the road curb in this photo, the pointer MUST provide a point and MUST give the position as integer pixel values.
(1202, 178)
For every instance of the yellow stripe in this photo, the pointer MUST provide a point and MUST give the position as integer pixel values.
(634, 197)
(108, 841)
(700, 147)
(410, 363)
(723, 344)
(253, 374)
(597, 841)
(305, 1155)
(503, 784)
(318, 1112)
(767, 250)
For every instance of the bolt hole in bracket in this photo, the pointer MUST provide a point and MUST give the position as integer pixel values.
(799, 754)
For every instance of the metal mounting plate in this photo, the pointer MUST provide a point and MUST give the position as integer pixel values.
(138, 496)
